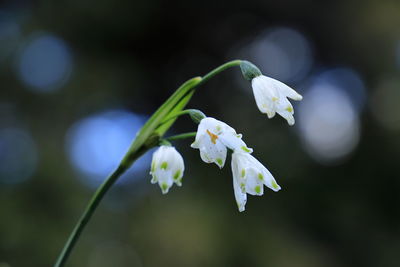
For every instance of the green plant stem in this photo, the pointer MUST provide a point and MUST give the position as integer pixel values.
(218, 70)
(91, 207)
(180, 136)
(142, 143)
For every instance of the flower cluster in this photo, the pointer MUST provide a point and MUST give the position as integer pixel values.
(215, 138)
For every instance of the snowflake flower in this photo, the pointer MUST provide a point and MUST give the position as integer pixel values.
(167, 167)
(213, 137)
(249, 176)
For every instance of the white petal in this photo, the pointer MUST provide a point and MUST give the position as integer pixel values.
(234, 142)
(265, 95)
(211, 152)
(165, 180)
(284, 89)
(177, 169)
(250, 162)
(285, 109)
(269, 181)
(208, 140)
(238, 172)
(239, 184)
(201, 130)
(240, 196)
(254, 185)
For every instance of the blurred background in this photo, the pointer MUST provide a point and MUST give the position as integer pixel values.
(79, 78)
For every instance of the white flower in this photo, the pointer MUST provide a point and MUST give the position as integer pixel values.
(167, 167)
(249, 176)
(271, 96)
(213, 137)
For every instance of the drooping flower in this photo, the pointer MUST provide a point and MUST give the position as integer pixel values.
(213, 137)
(167, 167)
(270, 94)
(249, 177)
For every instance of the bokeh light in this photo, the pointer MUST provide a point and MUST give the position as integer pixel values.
(96, 145)
(18, 156)
(44, 63)
(282, 53)
(348, 81)
(328, 123)
(385, 104)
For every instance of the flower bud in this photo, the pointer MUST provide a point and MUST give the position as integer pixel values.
(196, 115)
(249, 70)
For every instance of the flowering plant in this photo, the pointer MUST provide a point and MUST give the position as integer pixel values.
(213, 138)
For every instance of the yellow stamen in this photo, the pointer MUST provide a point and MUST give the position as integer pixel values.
(213, 137)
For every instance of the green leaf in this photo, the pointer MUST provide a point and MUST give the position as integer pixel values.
(154, 121)
(162, 129)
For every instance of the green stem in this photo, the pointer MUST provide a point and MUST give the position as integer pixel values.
(91, 207)
(219, 69)
(180, 136)
(142, 143)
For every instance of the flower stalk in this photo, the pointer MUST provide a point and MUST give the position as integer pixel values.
(180, 136)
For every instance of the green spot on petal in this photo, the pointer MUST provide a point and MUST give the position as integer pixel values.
(245, 149)
(153, 167)
(274, 184)
(177, 174)
(164, 187)
(257, 189)
(164, 165)
(219, 161)
(243, 187)
(289, 108)
(260, 176)
(243, 173)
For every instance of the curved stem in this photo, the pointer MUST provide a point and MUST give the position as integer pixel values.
(180, 136)
(219, 69)
(91, 207)
(204, 79)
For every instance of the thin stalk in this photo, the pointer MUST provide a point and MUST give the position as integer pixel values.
(180, 136)
(219, 69)
(91, 207)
